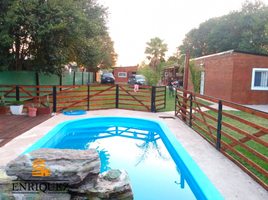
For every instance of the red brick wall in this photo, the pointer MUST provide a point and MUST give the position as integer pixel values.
(242, 76)
(128, 70)
(218, 76)
(229, 77)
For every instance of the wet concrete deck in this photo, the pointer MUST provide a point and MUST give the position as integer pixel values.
(228, 178)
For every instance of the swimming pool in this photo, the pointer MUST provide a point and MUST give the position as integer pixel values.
(107, 134)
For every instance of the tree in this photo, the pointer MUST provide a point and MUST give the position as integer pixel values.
(157, 49)
(150, 146)
(153, 76)
(109, 56)
(45, 35)
(195, 77)
(244, 30)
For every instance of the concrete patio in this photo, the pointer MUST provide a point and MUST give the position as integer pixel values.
(230, 180)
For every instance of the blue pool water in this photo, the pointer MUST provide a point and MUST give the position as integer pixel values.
(158, 166)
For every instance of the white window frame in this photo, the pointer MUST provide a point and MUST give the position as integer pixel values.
(122, 76)
(253, 79)
(166, 73)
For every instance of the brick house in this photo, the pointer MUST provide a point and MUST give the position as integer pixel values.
(121, 74)
(235, 76)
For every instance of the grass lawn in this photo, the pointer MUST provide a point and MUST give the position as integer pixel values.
(106, 99)
(170, 102)
(252, 144)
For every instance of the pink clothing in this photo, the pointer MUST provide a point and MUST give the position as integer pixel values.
(136, 88)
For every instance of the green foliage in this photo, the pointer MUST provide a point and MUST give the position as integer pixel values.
(153, 76)
(108, 70)
(173, 59)
(53, 33)
(47, 102)
(2, 101)
(195, 76)
(157, 49)
(109, 56)
(244, 30)
(16, 103)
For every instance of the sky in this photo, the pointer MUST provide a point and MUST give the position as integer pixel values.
(132, 23)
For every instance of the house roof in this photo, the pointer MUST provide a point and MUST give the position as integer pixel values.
(229, 52)
(126, 66)
(172, 66)
(216, 54)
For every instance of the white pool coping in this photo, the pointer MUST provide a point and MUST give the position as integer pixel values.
(229, 179)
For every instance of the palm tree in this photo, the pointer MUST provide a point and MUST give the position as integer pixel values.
(149, 146)
(157, 49)
(195, 76)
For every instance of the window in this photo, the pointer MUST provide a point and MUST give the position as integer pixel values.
(122, 74)
(259, 79)
(166, 73)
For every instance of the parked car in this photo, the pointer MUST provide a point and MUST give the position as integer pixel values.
(138, 79)
(107, 78)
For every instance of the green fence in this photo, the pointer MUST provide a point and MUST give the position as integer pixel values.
(28, 78)
(38, 79)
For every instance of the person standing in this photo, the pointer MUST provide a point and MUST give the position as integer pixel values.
(170, 86)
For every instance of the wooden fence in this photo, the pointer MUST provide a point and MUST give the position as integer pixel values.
(238, 132)
(89, 97)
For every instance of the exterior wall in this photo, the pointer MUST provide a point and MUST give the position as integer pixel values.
(218, 76)
(242, 76)
(128, 70)
(228, 76)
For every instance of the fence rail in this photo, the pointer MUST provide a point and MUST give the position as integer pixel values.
(89, 97)
(238, 132)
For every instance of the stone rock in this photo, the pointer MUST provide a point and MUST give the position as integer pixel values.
(113, 184)
(41, 196)
(5, 186)
(62, 164)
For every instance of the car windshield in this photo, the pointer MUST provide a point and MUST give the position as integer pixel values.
(140, 77)
(108, 75)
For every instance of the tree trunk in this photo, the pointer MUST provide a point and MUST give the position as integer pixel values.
(17, 49)
(19, 56)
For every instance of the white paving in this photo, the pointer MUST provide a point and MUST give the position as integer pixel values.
(229, 179)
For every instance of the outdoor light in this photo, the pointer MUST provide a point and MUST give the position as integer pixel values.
(182, 55)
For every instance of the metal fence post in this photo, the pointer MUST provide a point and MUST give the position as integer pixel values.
(153, 99)
(191, 104)
(54, 98)
(166, 96)
(175, 100)
(116, 96)
(74, 79)
(88, 94)
(60, 82)
(83, 78)
(17, 93)
(219, 125)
